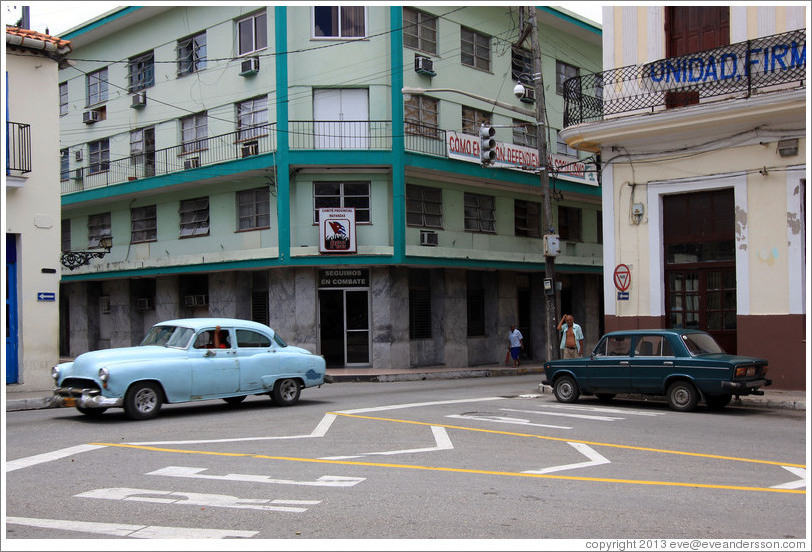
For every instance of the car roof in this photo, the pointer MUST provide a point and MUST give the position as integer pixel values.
(198, 323)
(659, 331)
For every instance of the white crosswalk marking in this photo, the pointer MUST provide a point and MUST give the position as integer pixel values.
(567, 415)
(133, 531)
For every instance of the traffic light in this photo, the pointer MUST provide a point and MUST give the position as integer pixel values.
(487, 145)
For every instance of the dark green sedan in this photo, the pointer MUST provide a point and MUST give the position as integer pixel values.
(686, 366)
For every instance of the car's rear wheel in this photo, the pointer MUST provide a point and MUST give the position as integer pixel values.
(605, 397)
(92, 412)
(286, 392)
(235, 400)
(566, 390)
(143, 401)
(717, 402)
(682, 396)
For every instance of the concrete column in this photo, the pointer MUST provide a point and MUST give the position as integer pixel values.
(118, 292)
(455, 349)
(167, 298)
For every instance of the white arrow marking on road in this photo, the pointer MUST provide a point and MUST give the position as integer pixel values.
(440, 437)
(503, 420)
(564, 415)
(198, 499)
(12, 465)
(134, 531)
(595, 459)
(800, 472)
(605, 409)
(323, 481)
(415, 405)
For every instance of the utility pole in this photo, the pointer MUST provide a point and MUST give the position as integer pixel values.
(550, 325)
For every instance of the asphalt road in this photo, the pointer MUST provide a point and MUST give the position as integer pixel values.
(482, 458)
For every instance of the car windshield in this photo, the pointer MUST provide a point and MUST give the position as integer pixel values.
(168, 336)
(701, 344)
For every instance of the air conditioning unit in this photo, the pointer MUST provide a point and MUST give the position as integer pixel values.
(424, 65)
(77, 174)
(529, 95)
(191, 163)
(144, 303)
(196, 300)
(90, 117)
(249, 66)
(428, 237)
(250, 148)
(139, 100)
(77, 155)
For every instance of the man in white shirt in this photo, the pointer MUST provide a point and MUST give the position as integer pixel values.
(516, 344)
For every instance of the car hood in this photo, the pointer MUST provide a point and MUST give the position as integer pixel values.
(111, 357)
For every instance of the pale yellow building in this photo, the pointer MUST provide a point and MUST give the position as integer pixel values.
(699, 117)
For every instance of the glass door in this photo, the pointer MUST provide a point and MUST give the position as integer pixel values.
(344, 327)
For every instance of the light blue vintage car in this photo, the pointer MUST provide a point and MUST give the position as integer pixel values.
(186, 360)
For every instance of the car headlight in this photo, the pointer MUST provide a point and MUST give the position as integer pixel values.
(104, 375)
(55, 373)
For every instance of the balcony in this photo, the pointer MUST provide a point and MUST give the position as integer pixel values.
(18, 149)
(742, 70)
(340, 135)
(190, 155)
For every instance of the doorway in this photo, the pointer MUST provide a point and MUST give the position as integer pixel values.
(344, 327)
(341, 118)
(12, 360)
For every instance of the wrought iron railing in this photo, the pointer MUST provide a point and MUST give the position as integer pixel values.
(424, 139)
(193, 154)
(340, 135)
(742, 69)
(18, 148)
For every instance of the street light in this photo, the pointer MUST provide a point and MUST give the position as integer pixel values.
(75, 259)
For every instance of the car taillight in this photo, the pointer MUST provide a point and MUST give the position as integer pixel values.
(742, 371)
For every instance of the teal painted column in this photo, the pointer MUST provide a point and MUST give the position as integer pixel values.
(398, 148)
(282, 141)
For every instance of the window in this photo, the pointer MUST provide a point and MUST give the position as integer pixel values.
(527, 215)
(421, 116)
(563, 149)
(569, 223)
(599, 216)
(342, 194)
(137, 146)
(191, 54)
(64, 164)
(252, 118)
(521, 62)
(252, 33)
(472, 119)
(524, 134)
(424, 206)
(248, 338)
(96, 87)
(63, 98)
(144, 224)
(194, 131)
(475, 303)
(339, 21)
(563, 71)
(98, 228)
(475, 49)
(141, 72)
(253, 209)
(419, 304)
(99, 156)
(65, 234)
(480, 213)
(194, 217)
(419, 30)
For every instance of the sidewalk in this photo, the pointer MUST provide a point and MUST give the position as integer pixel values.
(773, 398)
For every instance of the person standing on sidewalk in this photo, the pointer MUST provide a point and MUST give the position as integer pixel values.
(572, 340)
(515, 343)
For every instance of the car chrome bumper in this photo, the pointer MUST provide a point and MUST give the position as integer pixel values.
(745, 387)
(85, 398)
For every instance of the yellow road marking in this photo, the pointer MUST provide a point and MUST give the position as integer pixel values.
(455, 470)
(594, 443)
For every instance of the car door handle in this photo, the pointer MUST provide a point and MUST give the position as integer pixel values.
(626, 362)
(668, 363)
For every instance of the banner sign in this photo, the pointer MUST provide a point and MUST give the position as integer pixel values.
(337, 230)
(344, 277)
(465, 147)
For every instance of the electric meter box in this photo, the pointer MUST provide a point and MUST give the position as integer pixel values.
(552, 245)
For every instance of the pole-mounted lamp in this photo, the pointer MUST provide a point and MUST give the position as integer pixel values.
(75, 259)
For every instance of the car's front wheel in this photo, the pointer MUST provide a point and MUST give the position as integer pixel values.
(682, 396)
(143, 401)
(566, 390)
(286, 392)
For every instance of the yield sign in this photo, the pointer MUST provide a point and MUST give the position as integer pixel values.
(623, 277)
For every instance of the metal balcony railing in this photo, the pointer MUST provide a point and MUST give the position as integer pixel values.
(340, 135)
(18, 148)
(424, 139)
(740, 70)
(190, 155)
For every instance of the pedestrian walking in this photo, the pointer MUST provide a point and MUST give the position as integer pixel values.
(515, 344)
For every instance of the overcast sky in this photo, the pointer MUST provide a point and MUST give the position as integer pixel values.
(59, 17)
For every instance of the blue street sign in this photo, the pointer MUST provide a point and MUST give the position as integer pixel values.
(622, 295)
(46, 296)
